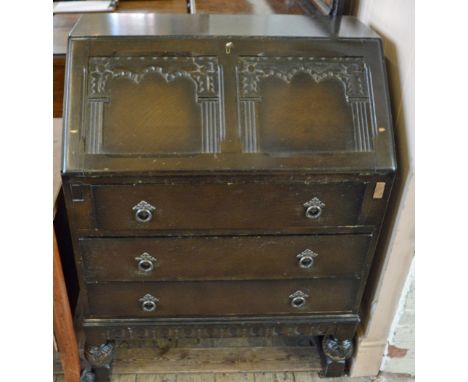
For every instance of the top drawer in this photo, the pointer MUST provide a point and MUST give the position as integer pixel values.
(227, 206)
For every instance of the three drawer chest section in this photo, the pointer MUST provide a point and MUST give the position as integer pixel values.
(224, 176)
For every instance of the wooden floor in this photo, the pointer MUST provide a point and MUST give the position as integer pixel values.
(244, 377)
(222, 360)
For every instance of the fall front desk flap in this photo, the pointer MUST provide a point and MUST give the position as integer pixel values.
(151, 92)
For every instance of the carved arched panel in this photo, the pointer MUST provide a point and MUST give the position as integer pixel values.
(153, 105)
(305, 104)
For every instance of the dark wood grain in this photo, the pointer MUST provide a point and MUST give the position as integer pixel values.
(59, 83)
(226, 126)
(236, 206)
(216, 298)
(327, 113)
(223, 258)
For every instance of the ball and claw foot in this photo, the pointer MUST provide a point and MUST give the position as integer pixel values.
(334, 353)
(100, 358)
(87, 376)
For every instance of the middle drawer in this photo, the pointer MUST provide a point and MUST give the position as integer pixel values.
(223, 258)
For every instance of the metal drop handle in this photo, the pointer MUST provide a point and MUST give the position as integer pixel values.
(148, 306)
(298, 299)
(146, 263)
(314, 208)
(306, 258)
(148, 303)
(143, 212)
(229, 45)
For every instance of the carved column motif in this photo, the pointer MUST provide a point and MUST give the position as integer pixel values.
(96, 113)
(204, 72)
(248, 132)
(364, 130)
(213, 132)
(352, 72)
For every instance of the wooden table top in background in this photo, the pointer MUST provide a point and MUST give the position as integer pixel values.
(63, 24)
(264, 7)
(160, 6)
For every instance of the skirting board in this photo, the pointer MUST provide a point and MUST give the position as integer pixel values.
(368, 357)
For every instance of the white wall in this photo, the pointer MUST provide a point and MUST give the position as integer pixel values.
(400, 352)
(393, 20)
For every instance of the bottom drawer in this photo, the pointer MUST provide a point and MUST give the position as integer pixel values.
(171, 299)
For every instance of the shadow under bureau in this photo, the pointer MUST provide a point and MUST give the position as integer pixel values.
(224, 176)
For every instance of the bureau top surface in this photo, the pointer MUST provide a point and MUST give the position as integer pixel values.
(214, 25)
(149, 93)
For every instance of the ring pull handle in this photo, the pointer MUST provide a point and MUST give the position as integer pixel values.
(229, 45)
(314, 208)
(148, 303)
(143, 212)
(306, 258)
(298, 299)
(146, 263)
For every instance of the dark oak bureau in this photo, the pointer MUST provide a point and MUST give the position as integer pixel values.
(224, 176)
